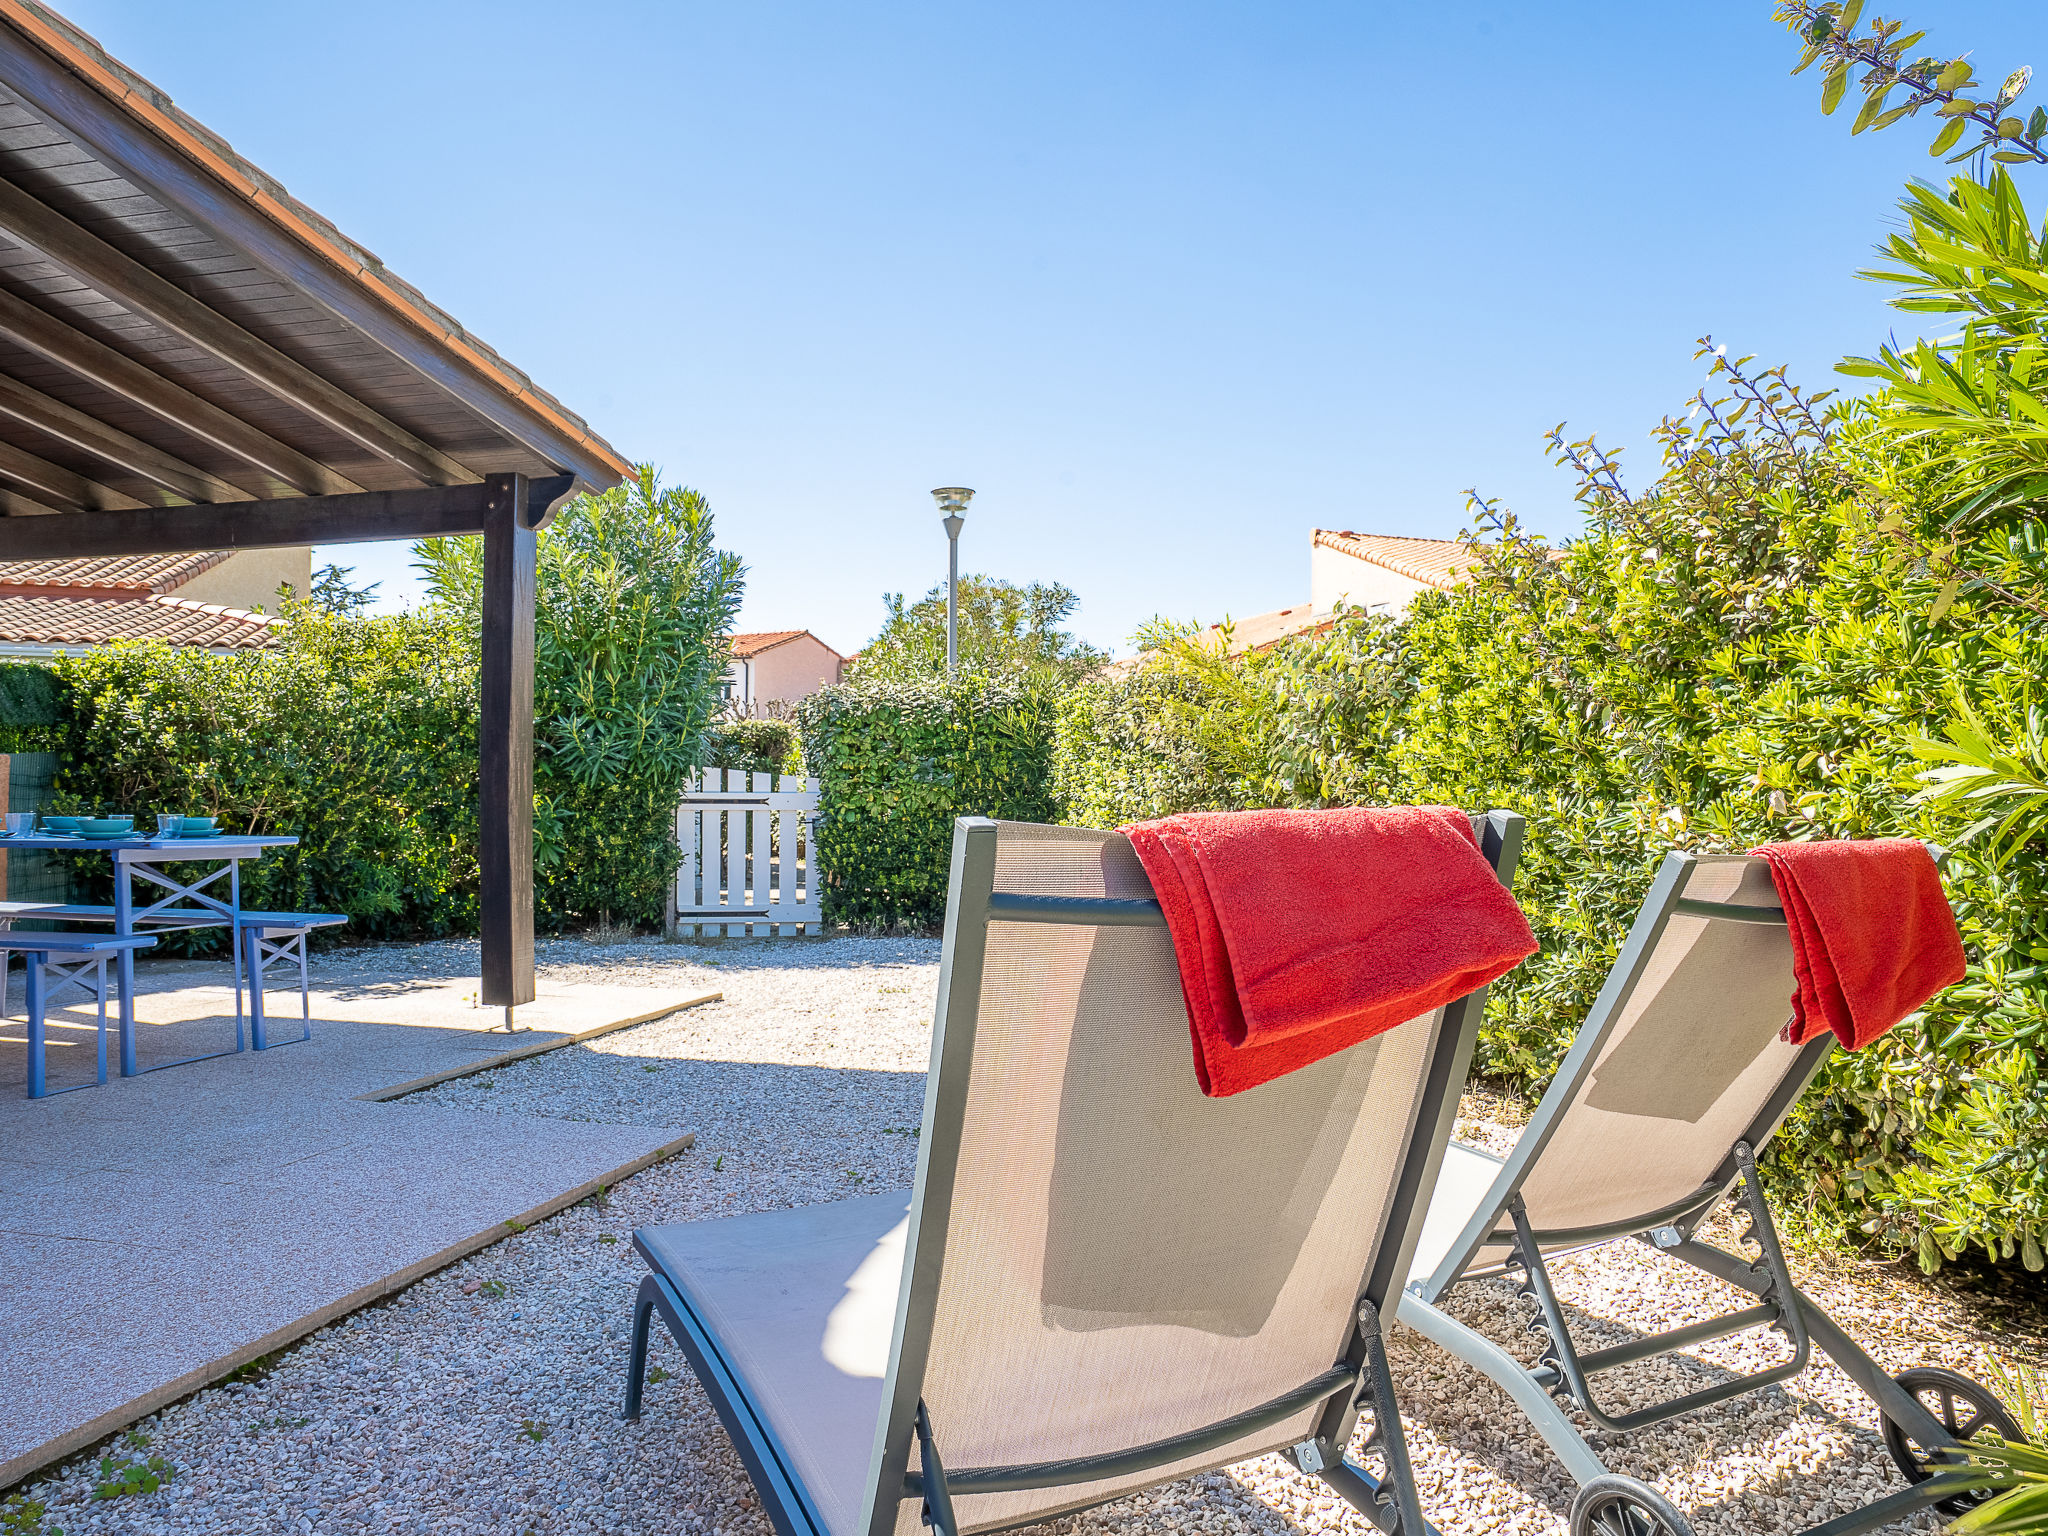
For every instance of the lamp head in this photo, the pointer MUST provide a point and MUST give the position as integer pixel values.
(952, 499)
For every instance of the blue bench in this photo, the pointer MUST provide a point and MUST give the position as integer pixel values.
(266, 938)
(56, 961)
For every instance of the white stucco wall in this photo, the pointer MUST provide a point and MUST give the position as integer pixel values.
(1334, 575)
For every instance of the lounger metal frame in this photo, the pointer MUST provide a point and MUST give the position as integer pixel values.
(1356, 1382)
(1563, 1375)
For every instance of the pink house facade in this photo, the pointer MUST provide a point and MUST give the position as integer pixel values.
(770, 671)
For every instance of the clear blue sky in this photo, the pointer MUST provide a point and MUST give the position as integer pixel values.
(1168, 284)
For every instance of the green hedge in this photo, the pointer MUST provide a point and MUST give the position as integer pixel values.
(356, 735)
(1754, 651)
(31, 700)
(753, 746)
(359, 736)
(897, 762)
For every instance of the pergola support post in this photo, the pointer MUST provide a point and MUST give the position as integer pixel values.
(505, 746)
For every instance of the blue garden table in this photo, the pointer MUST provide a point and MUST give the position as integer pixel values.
(139, 859)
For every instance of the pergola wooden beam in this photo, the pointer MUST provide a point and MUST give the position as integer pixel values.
(358, 518)
(110, 445)
(505, 746)
(43, 333)
(113, 274)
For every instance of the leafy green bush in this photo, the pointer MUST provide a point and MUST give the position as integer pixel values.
(753, 746)
(357, 735)
(897, 762)
(1757, 649)
(31, 700)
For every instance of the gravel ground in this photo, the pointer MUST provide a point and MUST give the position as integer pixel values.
(482, 1399)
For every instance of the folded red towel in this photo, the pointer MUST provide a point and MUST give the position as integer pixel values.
(1299, 933)
(1872, 934)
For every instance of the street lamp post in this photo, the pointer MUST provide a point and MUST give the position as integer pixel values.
(952, 500)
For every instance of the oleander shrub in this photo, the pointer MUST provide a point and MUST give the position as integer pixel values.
(1822, 619)
(633, 602)
(897, 761)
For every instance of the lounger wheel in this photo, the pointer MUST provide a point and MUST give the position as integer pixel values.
(1621, 1506)
(1965, 1408)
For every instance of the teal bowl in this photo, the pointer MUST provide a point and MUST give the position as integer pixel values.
(105, 826)
(60, 824)
(190, 824)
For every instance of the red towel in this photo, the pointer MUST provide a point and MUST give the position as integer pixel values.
(1872, 934)
(1300, 933)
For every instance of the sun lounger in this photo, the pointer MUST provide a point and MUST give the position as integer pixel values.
(1676, 1080)
(1103, 1280)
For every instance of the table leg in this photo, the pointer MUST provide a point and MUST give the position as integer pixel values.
(254, 971)
(124, 964)
(235, 947)
(36, 1085)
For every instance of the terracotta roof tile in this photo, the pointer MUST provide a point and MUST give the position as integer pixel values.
(750, 645)
(1264, 630)
(97, 620)
(125, 573)
(1434, 562)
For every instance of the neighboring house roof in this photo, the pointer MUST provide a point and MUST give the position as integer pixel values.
(52, 603)
(1433, 562)
(89, 620)
(1260, 632)
(117, 573)
(1264, 630)
(746, 647)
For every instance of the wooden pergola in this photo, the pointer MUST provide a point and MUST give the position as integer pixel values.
(192, 359)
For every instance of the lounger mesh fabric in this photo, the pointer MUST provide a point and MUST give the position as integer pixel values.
(1125, 1259)
(1689, 1065)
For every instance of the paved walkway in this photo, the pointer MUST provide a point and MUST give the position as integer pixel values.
(159, 1231)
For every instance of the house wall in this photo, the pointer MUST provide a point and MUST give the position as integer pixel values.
(790, 671)
(1334, 574)
(249, 578)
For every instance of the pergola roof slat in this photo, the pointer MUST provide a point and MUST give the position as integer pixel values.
(133, 286)
(65, 489)
(51, 416)
(118, 373)
(148, 159)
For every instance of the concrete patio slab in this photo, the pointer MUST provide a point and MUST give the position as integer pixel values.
(157, 1232)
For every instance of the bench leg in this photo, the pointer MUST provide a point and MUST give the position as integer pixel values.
(103, 1021)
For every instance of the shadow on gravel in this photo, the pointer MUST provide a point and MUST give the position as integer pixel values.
(1726, 1430)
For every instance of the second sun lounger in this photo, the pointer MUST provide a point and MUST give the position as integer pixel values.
(1103, 1280)
(1676, 1080)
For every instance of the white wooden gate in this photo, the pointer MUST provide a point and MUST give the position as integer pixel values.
(750, 863)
